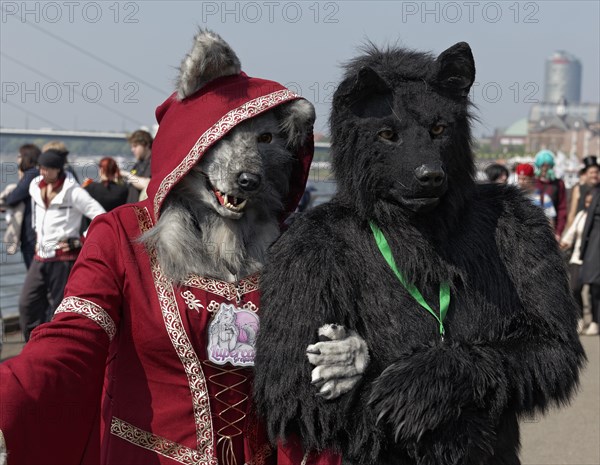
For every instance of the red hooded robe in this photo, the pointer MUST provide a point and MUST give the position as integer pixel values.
(121, 375)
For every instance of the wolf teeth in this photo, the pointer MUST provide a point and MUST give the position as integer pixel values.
(233, 203)
(235, 208)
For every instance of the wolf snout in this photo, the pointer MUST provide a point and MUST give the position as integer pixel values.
(249, 182)
(430, 175)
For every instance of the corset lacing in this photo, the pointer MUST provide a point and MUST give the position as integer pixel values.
(232, 415)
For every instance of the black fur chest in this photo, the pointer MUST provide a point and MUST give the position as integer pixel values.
(482, 298)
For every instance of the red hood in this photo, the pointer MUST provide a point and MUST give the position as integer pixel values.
(189, 127)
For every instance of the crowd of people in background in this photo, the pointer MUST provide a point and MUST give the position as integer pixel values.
(48, 213)
(575, 222)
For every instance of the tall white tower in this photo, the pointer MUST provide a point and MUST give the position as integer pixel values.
(563, 78)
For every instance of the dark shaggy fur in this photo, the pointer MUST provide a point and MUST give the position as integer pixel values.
(402, 155)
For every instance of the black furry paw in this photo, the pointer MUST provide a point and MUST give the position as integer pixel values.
(467, 440)
(434, 385)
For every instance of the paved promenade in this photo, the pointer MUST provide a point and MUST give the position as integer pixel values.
(569, 436)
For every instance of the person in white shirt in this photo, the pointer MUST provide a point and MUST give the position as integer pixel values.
(58, 205)
(572, 238)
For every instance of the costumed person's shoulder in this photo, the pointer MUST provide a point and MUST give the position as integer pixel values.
(507, 203)
(126, 220)
(493, 192)
(518, 225)
(319, 228)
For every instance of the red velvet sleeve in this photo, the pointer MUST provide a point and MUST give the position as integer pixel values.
(50, 394)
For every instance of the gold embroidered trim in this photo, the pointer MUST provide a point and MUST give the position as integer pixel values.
(158, 444)
(191, 301)
(214, 133)
(90, 310)
(184, 349)
(250, 307)
(228, 290)
(213, 306)
(2, 449)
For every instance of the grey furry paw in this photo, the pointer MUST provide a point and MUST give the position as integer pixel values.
(340, 359)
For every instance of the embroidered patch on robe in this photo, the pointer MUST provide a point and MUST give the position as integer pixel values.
(232, 336)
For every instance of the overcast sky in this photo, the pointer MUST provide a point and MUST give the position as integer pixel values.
(107, 65)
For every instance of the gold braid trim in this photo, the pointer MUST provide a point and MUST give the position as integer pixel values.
(90, 310)
(158, 444)
(228, 290)
(214, 133)
(2, 449)
(185, 351)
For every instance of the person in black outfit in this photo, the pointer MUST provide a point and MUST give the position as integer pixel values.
(497, 173)
(139, 177)
(590, 255)
(111, 191)
(27, 161)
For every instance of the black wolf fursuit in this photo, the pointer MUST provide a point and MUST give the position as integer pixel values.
(447, 392)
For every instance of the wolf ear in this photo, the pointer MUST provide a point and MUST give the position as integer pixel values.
(456, 70)
(211, 57)
(367, 95)
(296, 121)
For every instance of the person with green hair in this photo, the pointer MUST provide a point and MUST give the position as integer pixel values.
(549, 185)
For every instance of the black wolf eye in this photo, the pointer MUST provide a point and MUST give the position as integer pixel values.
(437, 129)
(387, 134)
(265, 138)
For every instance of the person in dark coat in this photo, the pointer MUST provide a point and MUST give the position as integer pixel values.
(589, 177)
(590, 254)
(548, 184)
(27, 161)
(139, 177)
(497, 173)
(111, 191)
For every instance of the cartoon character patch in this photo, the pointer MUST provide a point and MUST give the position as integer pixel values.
(232, 336)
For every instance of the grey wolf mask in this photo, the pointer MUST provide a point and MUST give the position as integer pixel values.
(222, 216)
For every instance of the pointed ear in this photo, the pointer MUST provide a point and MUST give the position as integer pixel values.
(456, 70)
(211, 57)
(296, 120)
(367, 94)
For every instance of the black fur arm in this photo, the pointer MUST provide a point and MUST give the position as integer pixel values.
(441, 402)
(541, 350)
(450, 396)
(304, 286)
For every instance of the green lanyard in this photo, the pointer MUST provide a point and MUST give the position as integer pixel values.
(384, 248)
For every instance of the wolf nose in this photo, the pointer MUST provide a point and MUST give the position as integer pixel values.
(248, 182)
(430, 175)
